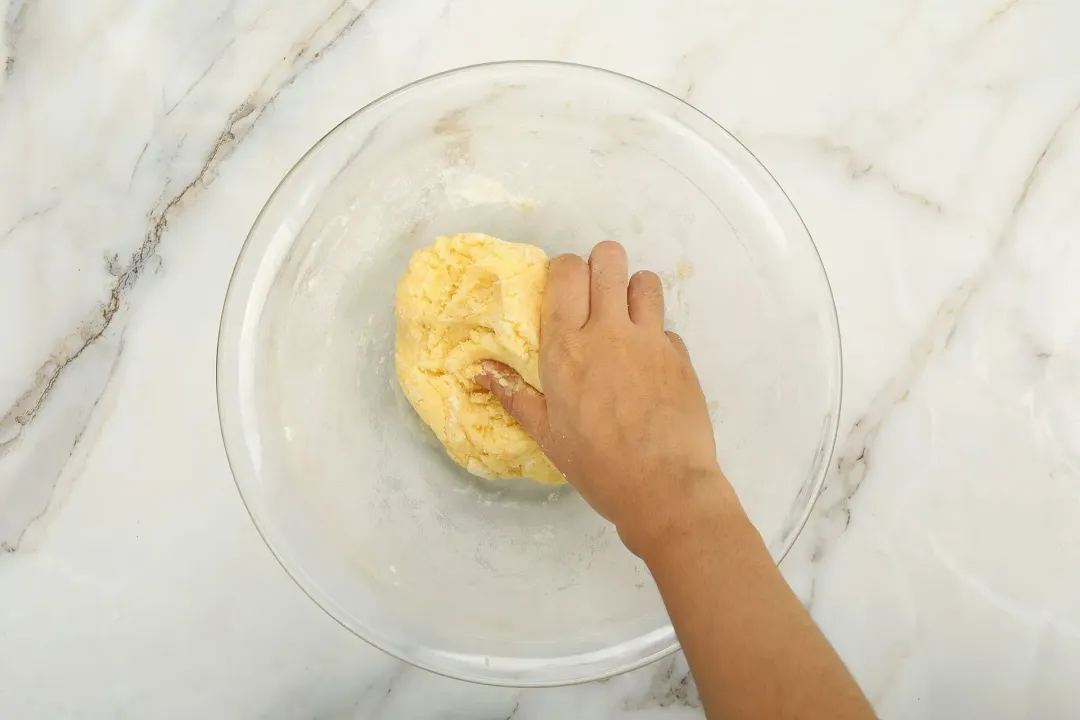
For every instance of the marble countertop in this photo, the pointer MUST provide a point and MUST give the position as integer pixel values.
(933, 149)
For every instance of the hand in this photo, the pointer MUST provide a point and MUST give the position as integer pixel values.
(622, 416)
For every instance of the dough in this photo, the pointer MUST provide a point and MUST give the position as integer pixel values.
(464, 299)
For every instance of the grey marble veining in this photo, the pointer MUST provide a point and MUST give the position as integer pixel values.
(932, 148)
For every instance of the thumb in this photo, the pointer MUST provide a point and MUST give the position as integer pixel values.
(522, 401)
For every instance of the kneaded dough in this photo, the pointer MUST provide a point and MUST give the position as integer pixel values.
(467, 298)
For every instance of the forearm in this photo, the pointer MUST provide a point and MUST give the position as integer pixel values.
(753, 649)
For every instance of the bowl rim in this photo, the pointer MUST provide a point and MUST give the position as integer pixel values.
(238, 446)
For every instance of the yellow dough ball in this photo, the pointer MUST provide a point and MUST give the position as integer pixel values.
(467, 298)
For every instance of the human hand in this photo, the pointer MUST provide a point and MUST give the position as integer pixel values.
(622, 416)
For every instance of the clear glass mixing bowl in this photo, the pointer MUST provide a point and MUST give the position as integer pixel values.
(509, 582)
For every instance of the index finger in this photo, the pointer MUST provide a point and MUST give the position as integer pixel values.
(566, 296)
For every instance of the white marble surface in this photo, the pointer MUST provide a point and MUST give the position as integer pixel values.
(932, 146)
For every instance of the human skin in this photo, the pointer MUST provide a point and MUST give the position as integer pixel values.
(623, 417)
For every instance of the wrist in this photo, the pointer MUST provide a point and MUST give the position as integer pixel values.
(698, 503)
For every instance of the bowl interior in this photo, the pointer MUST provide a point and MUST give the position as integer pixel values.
(509, 582)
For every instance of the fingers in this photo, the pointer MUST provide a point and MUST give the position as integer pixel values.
(678, 344)
(645, 298)
(608, 266)
(520, 400)
(566, 297)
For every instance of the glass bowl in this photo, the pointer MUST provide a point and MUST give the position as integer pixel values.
(509, 582)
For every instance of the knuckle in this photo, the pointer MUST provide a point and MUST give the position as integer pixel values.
(567, 348)
(564, 345)
(556, 314)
